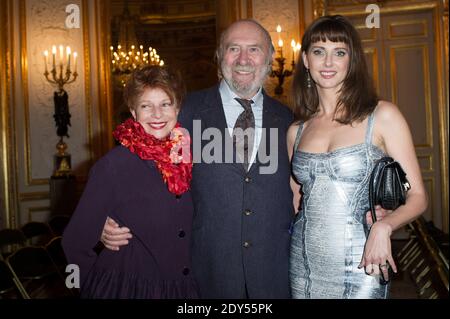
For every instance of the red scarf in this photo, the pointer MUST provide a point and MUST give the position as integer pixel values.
(166, 152)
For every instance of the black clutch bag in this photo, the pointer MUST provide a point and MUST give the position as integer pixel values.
(387, 187)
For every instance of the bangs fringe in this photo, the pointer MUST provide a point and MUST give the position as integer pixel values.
(332, 31)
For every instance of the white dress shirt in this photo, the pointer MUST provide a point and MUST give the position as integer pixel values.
(233, 109)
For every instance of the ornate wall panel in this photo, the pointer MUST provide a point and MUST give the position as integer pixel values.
(28, 133)
(44, 23)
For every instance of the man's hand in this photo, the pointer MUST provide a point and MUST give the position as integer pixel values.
(379, 212)
(114, 236)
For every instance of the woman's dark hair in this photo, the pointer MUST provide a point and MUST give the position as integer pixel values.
(357, 97)
(153, 76)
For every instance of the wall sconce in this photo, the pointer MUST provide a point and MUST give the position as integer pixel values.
(279, 71)
(61, 74)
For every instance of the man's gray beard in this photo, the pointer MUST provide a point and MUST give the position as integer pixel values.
(245, 89)
(242, 89)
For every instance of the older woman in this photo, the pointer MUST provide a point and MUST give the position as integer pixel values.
(342, 128)
(143, 184)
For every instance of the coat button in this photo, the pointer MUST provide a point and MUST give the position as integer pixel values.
(246, 244)
(186, 271)
(247, 179)
(181, 233)
(247, 212)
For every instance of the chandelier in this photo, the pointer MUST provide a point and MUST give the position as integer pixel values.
(128, 55)
(125, 60)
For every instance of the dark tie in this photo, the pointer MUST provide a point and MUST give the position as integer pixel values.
(244, 142)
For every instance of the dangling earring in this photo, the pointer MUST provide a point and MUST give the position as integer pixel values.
(308, 79)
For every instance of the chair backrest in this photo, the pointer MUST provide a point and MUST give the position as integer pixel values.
(31, 262)
(56, 253)
(58, 223)
(37, 233)
(37, 273)
(10, 240)
(425, 263)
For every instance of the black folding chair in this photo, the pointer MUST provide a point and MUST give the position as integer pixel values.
(37, 273)
(56, 253)
(10, 240)
(10, 286)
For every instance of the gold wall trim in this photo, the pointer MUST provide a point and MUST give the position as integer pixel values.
(87, 78)
(301, 19)
(390, 9)
(13, 155)
(426, 71)
(36, 209)
(372, 33)
(104, 120)
(250, 9)
(239, 9)
(442, 84)
(24, 68)
(97, 147)
(410, 22)
(375, 66)
(171, 18)
(33, 196)
(5, 69)
(4, 198)
(429, 158)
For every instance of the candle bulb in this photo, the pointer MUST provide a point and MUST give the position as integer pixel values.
(45, 60)
(298, 48)
(293, 50)
(61, 54)
(280, 42)
(68, 58)
(75, 61)
(280, 45)
(54, 56)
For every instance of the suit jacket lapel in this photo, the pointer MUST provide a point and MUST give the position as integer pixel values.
(213, 115)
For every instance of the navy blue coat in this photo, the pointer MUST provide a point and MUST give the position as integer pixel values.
(240, 235)
(156, 263)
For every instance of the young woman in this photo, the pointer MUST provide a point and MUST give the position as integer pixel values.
(342, 128)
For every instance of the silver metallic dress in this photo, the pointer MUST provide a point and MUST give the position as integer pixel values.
(328, 234)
